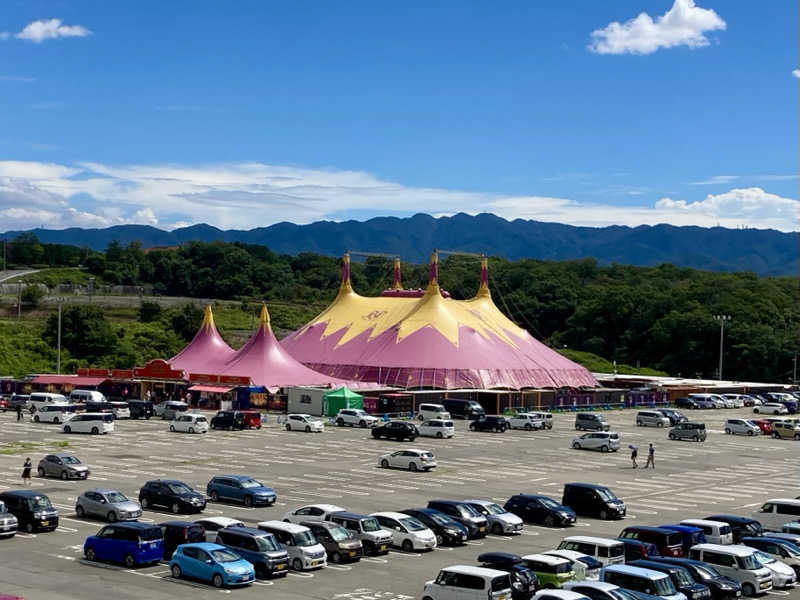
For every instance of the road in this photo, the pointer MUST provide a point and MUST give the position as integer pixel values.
(6, 275)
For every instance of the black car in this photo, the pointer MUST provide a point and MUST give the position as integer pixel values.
(447, 530)
(180, 532)
(489, 423)
(141, 409)
(674, 416)
(171, 495)
(33, 510)
(776, 546)
(686, 403)
(396, 430)
(464, 513)
(21, 400)
(524, 582)
(227, 419)
(740, 526)
(593, 500)
(722, 588)
(534, 508)
(680, 576)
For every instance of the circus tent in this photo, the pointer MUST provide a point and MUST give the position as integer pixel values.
(426, 339)
(206, 352)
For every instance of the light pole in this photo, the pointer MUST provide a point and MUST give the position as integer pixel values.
(721, 319)
(58, 363)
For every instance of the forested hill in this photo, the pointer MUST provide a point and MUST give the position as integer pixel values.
(765, 252)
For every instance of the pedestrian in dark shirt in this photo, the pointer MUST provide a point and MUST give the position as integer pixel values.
(26, 471)
(651, 457)
(634, 454)
(19, 412)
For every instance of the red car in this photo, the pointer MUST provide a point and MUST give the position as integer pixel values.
(764, 425)
(251, 419)
(4, 408)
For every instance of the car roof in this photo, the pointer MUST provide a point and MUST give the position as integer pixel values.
(326, 507)
(344, 514)
(499, 557)
(547, 558)
(64, 454)
(165, 481)
(534, 497)
(179, 524)
(414, 449)
(704, 522)
(325, 524)
(787, 500)
(390, 515)
(592, 539)
(681, 528)
(735, 549)
(470, 570)
(248, 531)
(640, 571)
(594, 486)
(237, 477)
(481, 502)
(25, 493)
(290, 527)
(652, 564)
(771, 538)
(219, 520)
(571, 555)
(651, 528)
(732, 518)
(204, 546)
(449, 502)
(598, 585)
(134, 525)
(100, 490)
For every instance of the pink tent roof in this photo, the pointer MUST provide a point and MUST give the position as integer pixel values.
(206, 352)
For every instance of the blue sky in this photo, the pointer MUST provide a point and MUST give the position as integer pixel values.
(247, 113)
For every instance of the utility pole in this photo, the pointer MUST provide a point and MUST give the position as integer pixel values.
(794, 369)
(19, 300)
(721, 319)
(58, 363)
(91, 289)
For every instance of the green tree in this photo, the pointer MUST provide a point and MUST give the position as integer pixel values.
(32, 295)
(85, 332)
(187, 321)
(149, 312)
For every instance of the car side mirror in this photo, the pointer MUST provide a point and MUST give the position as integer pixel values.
(102, 500)
(209, 562)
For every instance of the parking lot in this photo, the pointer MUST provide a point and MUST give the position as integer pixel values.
(725, 474)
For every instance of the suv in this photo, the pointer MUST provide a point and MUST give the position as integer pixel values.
(172, 495)
(64, 465)
(500, 520)
(366, 528)
(257, 547)
(107, 504)
(786, 429)
(741, 426)
(489, 423)
(240, 488)
(397, 430)
(228, 419)
(355, 416)
(688, 431)
(591, 422)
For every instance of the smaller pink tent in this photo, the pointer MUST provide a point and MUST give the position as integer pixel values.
(207, 351)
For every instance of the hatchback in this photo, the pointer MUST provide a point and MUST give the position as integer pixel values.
(602, 440)
(499, 519)
(447, 530)
(131, 543)
(63, 465)
(494, 423)
(312, 512)
(465, 514)
(668, 541)
(107, 504)
(94, 423)
(396, 430)
(240, 488)
(771, 408)
(211, 562)
(189, 423)
(408, 533)
(304, 422)
(412, 459)
(777, 548)
(741, 427)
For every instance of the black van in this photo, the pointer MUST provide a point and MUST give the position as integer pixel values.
(258, 547)
(680, 576)
(466, 409)
(141, 409)
(33, 510)
(524, 582)
(593, 500)
(99, 407)
(740, 526)
(180, 532)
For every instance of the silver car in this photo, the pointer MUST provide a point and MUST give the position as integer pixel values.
(499, 519)
(63, 465)
(107, 504)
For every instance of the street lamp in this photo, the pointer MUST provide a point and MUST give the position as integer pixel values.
(721, 319)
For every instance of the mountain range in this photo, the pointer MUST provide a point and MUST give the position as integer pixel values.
(763, 251)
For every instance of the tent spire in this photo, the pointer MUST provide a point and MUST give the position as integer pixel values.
(433, 280)
(264, 317)
(483, 289)
(345, 286)
(208, 318)
(397, 285)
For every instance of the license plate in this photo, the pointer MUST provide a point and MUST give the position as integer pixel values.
(153, 545)
(314, 563)
(765, 584)
(45, 523)
(352, 552)
(279, 567)
(481, 528)
(738, 594)
(383, 547)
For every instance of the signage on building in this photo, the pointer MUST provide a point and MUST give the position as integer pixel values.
(85, 372)
(157, 369)
(122, 373)
(203, 378)
(234, 380)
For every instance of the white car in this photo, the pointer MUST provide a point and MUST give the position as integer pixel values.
(312, 512)
(407, 532)
(782, 574)
(355, 417)
(121, 410)
(771, 408)
(412, 459)
(438, 428)
(54, 413)
(189, 423)
(738, 399)
(526, 421)
(303, 422)
(597, 440)
(741, 427)
(90, 423)
(213, 524)
(500, 521)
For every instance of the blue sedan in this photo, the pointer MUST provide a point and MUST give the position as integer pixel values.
(211, 562)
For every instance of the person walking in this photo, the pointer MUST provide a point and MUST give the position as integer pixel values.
(651, 457)
(19, 412)
(634, 454)
(26, 471)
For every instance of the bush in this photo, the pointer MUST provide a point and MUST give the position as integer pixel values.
(32, 295)
(149, 312)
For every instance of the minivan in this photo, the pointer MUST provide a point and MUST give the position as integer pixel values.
(545, 417)
(524, 582)
(641, 580)
(668, 542)
(468, 583)
(130, 542)
(465, 409)
(737, 562)
(593, 500)
(33, 510)
(340, 545)
(95, 423)
(741, 427)
(305, 552)
(85, 396)
(426, 412)
(652, 418)
(716, 532)
(259, 548)
(740, 526)
(54, 413)
(680, 576)
(366, 528)
(39, 399)
(120, 409)
(773, 514)
(140, 409)
(591, 422)
(551, 571)
(690, 536)
(606, 550)
(688, 431)
(176, 533)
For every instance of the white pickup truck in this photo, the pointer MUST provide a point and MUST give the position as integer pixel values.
(526, 421)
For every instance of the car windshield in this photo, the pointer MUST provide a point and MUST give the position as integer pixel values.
(369, 525)
(250, 484)
(664, 587)
(179, 488)
(471, 512)
(39, 502)
(360, 413)
(441, 519)
(201, 420)
(114, 497)
(606, 495)
(749, 422)
(682, 577)
(790, 549)
(267, 543)
(549, 503)
(564, 567)
(412, 524)
(304, 538)
(751, 562)
(495, 509)
(764, 559)
(339, 534)
(70, 460)
(224, 556)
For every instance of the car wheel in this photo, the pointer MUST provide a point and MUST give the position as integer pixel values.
(549, 521)
(90, 554)
(385, 463)
(176, 508)
(603, 448)
(340, 422)
(528, 427)
(176, 572)
(775, 435)
(308, 429)
(217, 581)
(67, 429)
(603, 514)
(672, 436)
(64, 475)
(412, 466)
(79, 512)
(111, 516)
(297, 564)
(191, 429)
(95, 430)
(362, 423)
(40, 471)
(56, 421)
(797, 436)
(748, 589)
(576, 445)
(472, 427)
(439, 539)
(439, 434)
(407, 546)
(660, 424)
(144, 502)
(497, 529)
(215, 496)
(130, 562)
(336, 557)
(36, 418)
(412, 438)
(248, 501)
(755, 410)
(172, 427)
(727, 431)
(750, 432)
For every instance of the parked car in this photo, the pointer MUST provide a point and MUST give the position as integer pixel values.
(355, 416)
(21, 400)
(680, 576)
(526, 421)
(636, 549)
(741, 427)
(775, 513)
(740, 526)
(652, 418)
(311, 512)
(366, 528)
(240, 488)
(39, 399)
(412, 459)
(211, 525)
(690, 536)
(716, 532)
(786, 430)
(551, 571)
(737, 562)
(721, 587)
(305, 552)
(535, 508)
(63, 465)
(777, 548)
(140, 409)
(228, 419)
(54, 413)
(168, 409)
(108, 504)
(396, 430)
(764, 425)
(8, 522)
(408, 533)
(180, 532)
(601, 590)
(437, 428)
(120, 409)
(771, 408)
(607, 551)
(86, 396)
(102, 406)
(94, 423)
(674, 416)
(428, 412)
(603, 441)
(189, 423)
(131, 543)
(464, 513)
(584, 566)
(304, 422)
(447, 530)
(586, 421)
(340, 545)
(469, 583)
(688, 430)
(259, 548)
(737, 399)
(500, 521)
(464, 409)
(703, 401)
(33, 510)
(211, 562)
(783, 575)
(686, 403)
(496, 423)
(524, 582)
(593, 500)
(172, 495)
(250, 418)
(667, 541)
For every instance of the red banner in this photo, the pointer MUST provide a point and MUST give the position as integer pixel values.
(122, 373)
(86, 372)
(158, 369)
(234, 380)
(203, 378)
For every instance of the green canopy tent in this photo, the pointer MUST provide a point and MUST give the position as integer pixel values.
(341, 398)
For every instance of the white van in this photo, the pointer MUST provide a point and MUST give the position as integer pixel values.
(305, 552)
(95, 423)
(468, 583)
(525, 421)
(54, 413)
(432, 411)
(39, 399)
(646, 581)
(85, 396)
(774, 514)
(716, 532)
(121, 410)
(407, 532)
(737, 562)
(606, 550)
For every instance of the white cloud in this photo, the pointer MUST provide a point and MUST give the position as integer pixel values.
(248, 195)
(4, 35)
(685, 24)
(51, 29)
(716, 180)
(796, 73)
(17, 78)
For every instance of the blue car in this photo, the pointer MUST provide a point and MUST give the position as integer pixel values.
(211, 562)
(129, 542)
(240, 488)
(690, 536)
